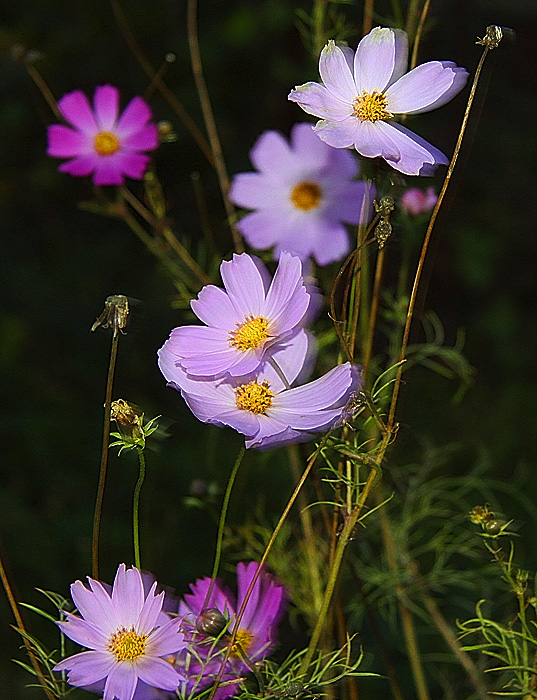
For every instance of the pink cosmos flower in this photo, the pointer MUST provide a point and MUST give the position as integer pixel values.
(250, 320)
(416, 202)
(206, 617)
(362, 93)
(128, 635)
(303, 195)
(260, 406)
(100, 140)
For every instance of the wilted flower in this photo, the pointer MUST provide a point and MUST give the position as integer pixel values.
(362, 93)
(251, 319)
(256, 633)
(303, 195)
(128, 635)
(260, 406)
(415, 201)
(100, 140)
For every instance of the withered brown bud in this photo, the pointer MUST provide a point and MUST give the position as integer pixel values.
(115, 314)
(127, 417)
(211, 622)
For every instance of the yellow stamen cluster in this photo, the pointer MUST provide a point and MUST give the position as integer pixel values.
(243, 640)
(126, 645)
(254, 397)
(370, 107)
(306, 195)
(106, 143)
(250, 334)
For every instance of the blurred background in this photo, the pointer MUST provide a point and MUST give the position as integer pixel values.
(59, 263)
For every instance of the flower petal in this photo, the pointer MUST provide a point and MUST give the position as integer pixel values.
(95, 606)
(158, 673)
(417, 156)
(120, 683)
(127, 595)
(106, 105)
(145, 139)
(262, 229)
(80, 166)
(426, 87)
(375, 140)
(316, 99)
(255, 191)
(75, 109)
(64, 142)
(336, 74)
(87, 667)
(134, 117)
(214, 308)
(309, 154)
(244, 285)
(87, 634)
(271, 151)
(287, 299)
(339, 134)
(375, 60)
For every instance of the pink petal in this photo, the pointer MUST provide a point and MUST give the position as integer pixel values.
(133, 165)
(87, 667)
(339, 134)
(106, 105)
(310, 153)
(271, 153)
(256, 191)
(287, 299)
(109, 170)
(158, 673)
(146, 139)
(214, 308)
(244, 285)
(94, 606)
(332, 245)
(335, 73)
(316, 99)
(64, 142)
(76, 110)
(80, 166)
(426, 87)
(166, 639)
(262, 229)
(133, 118)
(121, 682)
(127, 595)
(417, 156)
(87, 634)
(375, 140)
(375, 60)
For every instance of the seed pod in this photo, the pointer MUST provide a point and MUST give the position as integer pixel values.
(211, 622)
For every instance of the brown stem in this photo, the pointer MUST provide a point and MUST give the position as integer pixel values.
(374, 310)
(419, 32)
(210, 124)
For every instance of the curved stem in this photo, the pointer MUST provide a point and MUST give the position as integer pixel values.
(104, 458)
(136, 507)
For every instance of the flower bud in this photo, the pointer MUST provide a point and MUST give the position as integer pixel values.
(211, 622)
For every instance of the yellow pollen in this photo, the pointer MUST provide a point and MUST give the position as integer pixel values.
(254, 397)
(306, 195)
(371, 107)
(241, 644)
(126, 645)
(106, 143)
(250, 334)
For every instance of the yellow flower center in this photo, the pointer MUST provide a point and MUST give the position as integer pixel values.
(106, 143)
(241, 644)
(370, 107)
(306, 195)
(254, 397)
(250, 334)
(126, 645)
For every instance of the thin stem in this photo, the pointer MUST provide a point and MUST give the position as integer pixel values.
(319, 14)
(421, 262)
(268, 548)
(21, 626)
(210, 124)
(157, 81)
(222, 523)
(374, 310)
(368, 16)
(136, 508)
(104, 457)
(44, 90)
(419, 32)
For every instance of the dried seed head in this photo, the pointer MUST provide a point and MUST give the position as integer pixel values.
(115, 314)
(492, 38)
(128, 419)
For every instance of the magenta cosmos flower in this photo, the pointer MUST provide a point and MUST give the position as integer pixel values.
(416, 202)
(246, 322)
(260, 406)
(100, 140)
(209, 620)
(362, 93)
(128, 635)
(303, 195)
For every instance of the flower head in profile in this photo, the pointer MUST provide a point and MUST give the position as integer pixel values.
(245, 322)
(101, 140)
(303, 194)
(128, 635)
(209, 622)
(416, 202)
(362, 93)
(260, 406)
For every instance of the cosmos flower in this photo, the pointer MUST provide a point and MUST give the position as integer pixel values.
(100, 140)
(245, 323)
(206, 617)
(416, 202)
(128, 635)
(260, 406)
(303, 195)
(362, 93)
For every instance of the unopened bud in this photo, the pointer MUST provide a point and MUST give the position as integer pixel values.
(211, 622)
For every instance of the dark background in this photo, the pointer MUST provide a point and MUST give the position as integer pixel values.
(58, 264)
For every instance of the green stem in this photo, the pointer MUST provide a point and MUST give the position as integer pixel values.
(104, 458)
(136, 508)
